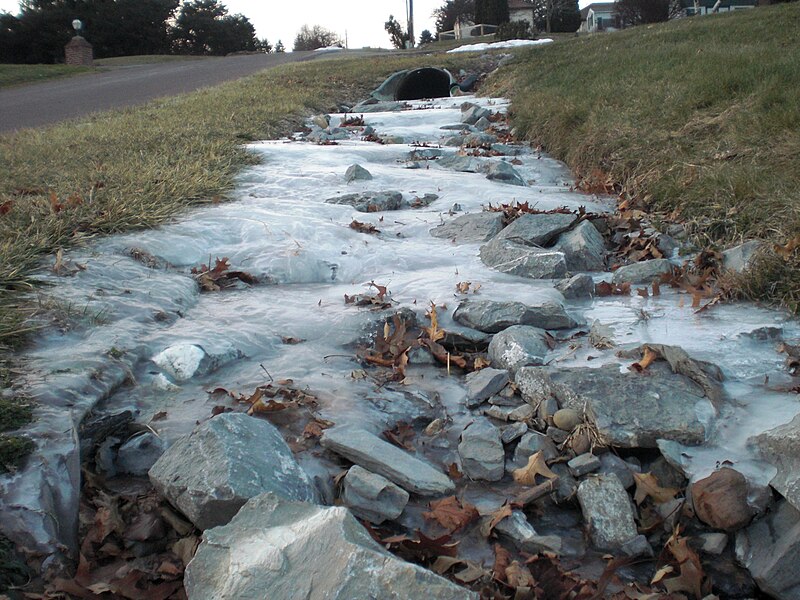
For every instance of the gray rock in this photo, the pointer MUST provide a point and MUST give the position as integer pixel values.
(559, 436)
(479, 140)
(481, 451)
(518, 346)
(491, 316)
(508, 256)
(374, 454)
(770, 550)
(371, 201)
(632, 411)
(583, 247)
(538, 229)
(455, 141)
(371, 496)
(509, 413)
(387, 106)
(460, 164)
(547, 409)
(521, 533)
(357, 173)
(393, 139)
(611, 463)
(534, 385)
(139, 453)
(465, 339)
(713, 543)
(321, 121)
(210, 474)
(608, 512)
(638, 546)
(503, 172)
(184, 361)
(456, 127)
(567, 485)
(577, 286)
(583, 464)
(424, 154)
(471, 113)
(781, 448)
(646, 271)
(513, 432)
(473, 228)
(483, 124)
(483, 384)
(567, 419)
(739, 257)
(298, 551)
(531, 443)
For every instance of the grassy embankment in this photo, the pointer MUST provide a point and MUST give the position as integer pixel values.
(698, 118)
(19, 74)
(136, 168)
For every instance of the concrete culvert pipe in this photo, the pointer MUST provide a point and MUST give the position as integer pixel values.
(427, 82)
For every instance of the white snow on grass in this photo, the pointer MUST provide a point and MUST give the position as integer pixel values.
(499, 45)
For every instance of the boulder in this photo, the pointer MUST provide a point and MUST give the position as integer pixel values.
(472, 113)
(577, 286)
(538, 229)
(357, 173)
(781, 448)
(460, 164)
(483, 384)
(483, 124)
(770, 550)
(583, 247)
(739, 257)
(184, 361)
(374, 454)
(491, 316)
(646, 271)
(481, 451)
(139, 453)
(371, 496)
(502, 171)
(518, 346)
(367, 202)
(608, 512)
(473, 228)
(211, 473)
(508, 256)
(720, 500)
(298, 551)
(633, 411)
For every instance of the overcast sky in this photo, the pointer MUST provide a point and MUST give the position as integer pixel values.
(360, 20)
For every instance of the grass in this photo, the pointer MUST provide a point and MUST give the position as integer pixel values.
(19, 74)
(697, 119)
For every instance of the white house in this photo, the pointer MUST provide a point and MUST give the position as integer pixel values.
(599, 16)
(521, 10)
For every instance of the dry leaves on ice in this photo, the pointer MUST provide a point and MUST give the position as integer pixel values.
(220, 277)
(451, 513)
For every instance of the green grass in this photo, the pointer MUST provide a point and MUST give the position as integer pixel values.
(20, 74)
(698, 119)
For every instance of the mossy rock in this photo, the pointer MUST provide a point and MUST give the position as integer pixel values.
(13, 451)
(14, 413)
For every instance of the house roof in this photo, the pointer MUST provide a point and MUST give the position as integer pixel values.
(606, 7)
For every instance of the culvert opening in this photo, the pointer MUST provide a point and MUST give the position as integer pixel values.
(427, 82)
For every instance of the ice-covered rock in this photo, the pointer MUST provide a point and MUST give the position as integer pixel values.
(184, 361)
(538, 229)
(503, 172)
(781, 448)
(491, 316)
(374, 454)
(472, 113)
(577, 286)
(521, 533)
(139, 453)
(357, 173)
(608, 512)
(739, 257)
(518, 346)
(583, 247)
(298, 551)
(371, 496)
(481, 451)
(471, 228)
(646, 271)
(210, 474)
(514, 258)
(479, 140)
(483, 384)
(370, 201)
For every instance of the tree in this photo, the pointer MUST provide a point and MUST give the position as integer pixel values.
(492, 12)
(263, 45)
(205, 27)
(557, 16)
(397, 34)
(453, 11)
(311, 38)
(426, 37)
(637, 12)
(279, 47)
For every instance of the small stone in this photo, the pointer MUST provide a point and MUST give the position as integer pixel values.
(505, 413)
(559, 436)
(583, 247)
(611, 463)
(139, 453)
(472, 113)
(531, 443)
(583, 464)
(567, 419)
(371, 496)
(513, 432)
(483, 124)
(483, 384)
(357, 173)
(321, 121)
(713, 543)
(670, 511)
(547, 409)
(740, 257)
(434, 427)
(720, 500)
(638, 546)
(515, 258)
(518, 529)
(481, 451)
(608, 512)
(491, 316)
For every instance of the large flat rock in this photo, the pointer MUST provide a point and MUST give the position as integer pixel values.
(633, 410)
(491, 316)
(470, 229)
(538, 229)
(211, 473)
(515, 258)
(374, 454)
(781, 448)
(280, 550)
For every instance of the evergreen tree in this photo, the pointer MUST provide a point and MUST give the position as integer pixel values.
(492, 12)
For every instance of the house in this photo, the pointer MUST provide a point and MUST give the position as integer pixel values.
(691, 8)
(521, 10)
(599, 16)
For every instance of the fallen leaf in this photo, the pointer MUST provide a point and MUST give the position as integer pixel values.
(453, 472)
(401, 436)
(451, 513)
(497, 516)
(787, 249)
(519, 576)
(6, 207)
(472, 573)
(691, 574)
(536, 466)
(648, 357)
(291, 340)
(647, 485)
(502, 559)
(364, 227)
(433, 332)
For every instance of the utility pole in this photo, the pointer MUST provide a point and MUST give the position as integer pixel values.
(410, 17)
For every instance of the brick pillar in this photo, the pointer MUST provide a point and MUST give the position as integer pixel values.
(79, 52)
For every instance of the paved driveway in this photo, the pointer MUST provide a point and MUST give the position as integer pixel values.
(53, 101)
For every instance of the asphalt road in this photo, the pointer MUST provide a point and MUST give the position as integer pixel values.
(53, 101)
